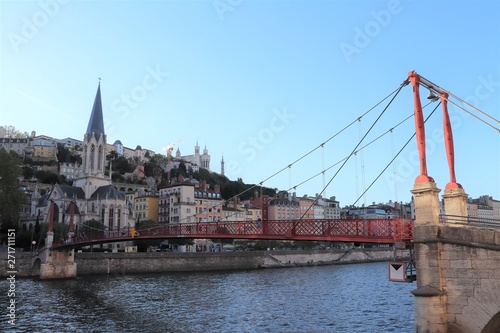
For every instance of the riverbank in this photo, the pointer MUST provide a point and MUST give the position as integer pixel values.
(122, 263)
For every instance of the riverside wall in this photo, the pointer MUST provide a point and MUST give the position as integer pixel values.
(122, 263)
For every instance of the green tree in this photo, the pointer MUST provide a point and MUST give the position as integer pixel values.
(121, 164)
(28, 172)
(49, 177)
(144, 244)
(11, 196)
(65, 155)
(117, 177)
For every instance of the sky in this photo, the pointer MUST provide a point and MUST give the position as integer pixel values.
(280, 89)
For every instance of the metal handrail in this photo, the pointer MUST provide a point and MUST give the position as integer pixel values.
(480, 222)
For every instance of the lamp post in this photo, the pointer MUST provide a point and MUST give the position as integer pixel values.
(33, 246)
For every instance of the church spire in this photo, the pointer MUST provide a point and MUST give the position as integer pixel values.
(96, 122)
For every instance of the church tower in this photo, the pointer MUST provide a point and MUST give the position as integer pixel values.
(197, 159)
(205, 159)
(94, 150)
(222, 166)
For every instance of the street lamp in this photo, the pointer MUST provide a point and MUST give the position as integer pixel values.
(33, 246)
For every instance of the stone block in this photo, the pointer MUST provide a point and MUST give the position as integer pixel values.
(493, 255)
(485, 264)
(483, 236)
(453, 252)
(497, 237)
(456, 233)
(425, 233)
(464, 263)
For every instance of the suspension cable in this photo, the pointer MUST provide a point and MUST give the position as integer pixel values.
(333, 136)
(363, 147)
(392, 160)
(395, 91)
(354, 150)
(481, 120)
(439, 90)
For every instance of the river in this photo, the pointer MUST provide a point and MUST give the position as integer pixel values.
(319, 299)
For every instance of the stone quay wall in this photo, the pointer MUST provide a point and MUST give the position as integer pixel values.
(122, 263)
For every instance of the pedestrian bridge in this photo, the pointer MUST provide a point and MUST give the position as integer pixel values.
(381, 231)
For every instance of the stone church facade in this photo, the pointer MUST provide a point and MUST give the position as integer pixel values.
(93, 194)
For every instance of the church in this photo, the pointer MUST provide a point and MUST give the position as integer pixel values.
(94, 196)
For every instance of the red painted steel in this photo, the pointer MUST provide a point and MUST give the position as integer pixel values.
(385, 231)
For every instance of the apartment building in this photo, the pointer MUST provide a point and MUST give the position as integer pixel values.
(146, 208)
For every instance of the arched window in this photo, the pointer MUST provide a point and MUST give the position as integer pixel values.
(99, 158)
(92, 156)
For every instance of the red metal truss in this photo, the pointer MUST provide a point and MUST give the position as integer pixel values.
(388, 231)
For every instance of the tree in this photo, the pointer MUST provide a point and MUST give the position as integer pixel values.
(144, 244)
(65, 155)
(121, 165)
(50, 177)
(12, 132)
(11, 195)
(28, 172)
(117, 177)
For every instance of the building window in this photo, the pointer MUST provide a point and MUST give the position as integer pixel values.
(110, 219)
(118, 219)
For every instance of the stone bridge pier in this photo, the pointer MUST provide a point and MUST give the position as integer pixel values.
(458, 267)
(55, 264)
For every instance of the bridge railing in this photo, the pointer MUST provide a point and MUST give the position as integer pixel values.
(360, 230)
(471, 221)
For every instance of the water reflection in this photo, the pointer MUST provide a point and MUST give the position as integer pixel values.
(344, 298)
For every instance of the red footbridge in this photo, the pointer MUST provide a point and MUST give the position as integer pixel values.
(381, 231)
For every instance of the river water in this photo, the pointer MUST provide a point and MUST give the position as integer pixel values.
(320, 299)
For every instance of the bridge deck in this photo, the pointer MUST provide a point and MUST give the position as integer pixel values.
(384, 231)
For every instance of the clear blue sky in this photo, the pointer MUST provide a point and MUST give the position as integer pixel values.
(262, 83)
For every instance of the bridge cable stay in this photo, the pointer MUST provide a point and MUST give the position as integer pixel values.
(355, 153)
(324, 169)
(309, 152)
(475, 116)
(444, 94)
(354, 150)
(363, 182)
(399, 152)
(356, 177)
(330, 138)
(434, 87)
(322, 164)
(396, 91)
(394, 168)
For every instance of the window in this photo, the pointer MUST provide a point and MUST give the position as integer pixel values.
(118, 218)
(110, 218)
